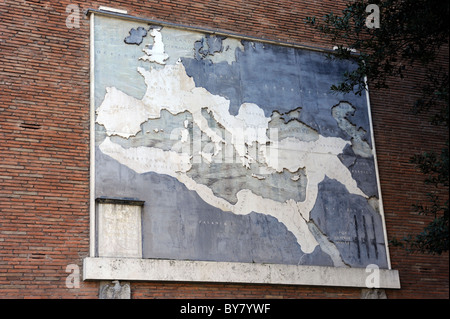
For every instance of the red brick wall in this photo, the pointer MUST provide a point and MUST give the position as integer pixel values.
(44, 147)
(399, 135)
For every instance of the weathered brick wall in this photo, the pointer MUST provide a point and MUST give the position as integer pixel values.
(44, 147)
(399, 134)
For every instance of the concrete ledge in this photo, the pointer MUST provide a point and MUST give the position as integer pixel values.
(134, 269)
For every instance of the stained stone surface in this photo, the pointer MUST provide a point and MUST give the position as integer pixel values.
(115, 290)
(238, 148)
(119, 230)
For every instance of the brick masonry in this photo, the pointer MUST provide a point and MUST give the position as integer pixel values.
(44, 147)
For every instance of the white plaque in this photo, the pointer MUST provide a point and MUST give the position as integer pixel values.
(119, 230)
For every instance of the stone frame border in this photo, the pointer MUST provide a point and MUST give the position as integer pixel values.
(133, 269)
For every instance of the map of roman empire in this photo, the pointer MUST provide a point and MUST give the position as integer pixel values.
(238, 148)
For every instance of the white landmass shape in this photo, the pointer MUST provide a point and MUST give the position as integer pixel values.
(156, 53)
(171, 89)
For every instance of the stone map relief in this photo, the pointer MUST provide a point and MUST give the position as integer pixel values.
(238, 148)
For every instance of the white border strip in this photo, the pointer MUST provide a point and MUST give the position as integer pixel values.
(135, 269)
(104, 8)
(92, 141)
(375, 159)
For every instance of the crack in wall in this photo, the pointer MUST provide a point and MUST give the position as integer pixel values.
(327, 245)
